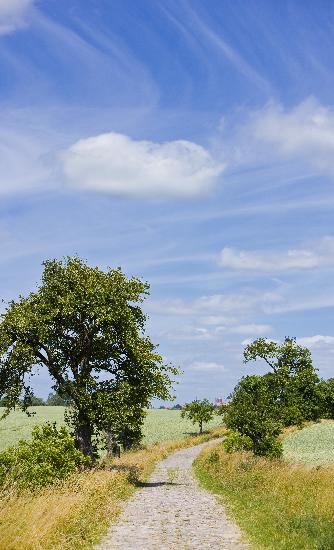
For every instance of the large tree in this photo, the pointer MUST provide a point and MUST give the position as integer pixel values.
(86, 327)
(294, 379)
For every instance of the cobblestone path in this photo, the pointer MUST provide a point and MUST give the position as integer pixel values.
(171, 512)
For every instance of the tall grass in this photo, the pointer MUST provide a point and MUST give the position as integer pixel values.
(76, 513)
(279, 506)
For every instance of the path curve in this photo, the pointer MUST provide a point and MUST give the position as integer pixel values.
(171, 512)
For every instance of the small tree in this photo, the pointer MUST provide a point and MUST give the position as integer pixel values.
(198, 412)
(86, 327)
(254, 412)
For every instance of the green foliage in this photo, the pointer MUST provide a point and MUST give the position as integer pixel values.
(254, 412)
(159, 425)
(80, 324)
(270, 447)
(37, 401)
(56, 400)
(51, 455)
(294, 379)
(235, 442)
(326, 397)
(198, 412)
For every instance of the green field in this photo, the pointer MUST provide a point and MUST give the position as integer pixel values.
(311, 445)
(160, 424)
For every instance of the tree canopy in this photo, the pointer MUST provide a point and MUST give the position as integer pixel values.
(86, 327)
(254, 412)
(198, 411)
(294, 379)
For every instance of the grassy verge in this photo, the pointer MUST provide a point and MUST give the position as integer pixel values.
(278, 506)
(77, 513)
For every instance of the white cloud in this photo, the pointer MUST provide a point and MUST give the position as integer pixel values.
(13, 14)
(304, 133)
(226, 308)
(253, 329)
(115, 163)
(314, 255)
(316, 341)
(207, 366)
(23, 159)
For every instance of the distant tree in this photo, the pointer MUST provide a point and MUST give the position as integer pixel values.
(177, 407)
(198, 412)
(4, 402)
(37, 401)
(253, 412)
(294, 379)
(85, 326)
(54, 400)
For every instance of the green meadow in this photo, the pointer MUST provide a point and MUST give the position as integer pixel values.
(160, 424)
(312, 445)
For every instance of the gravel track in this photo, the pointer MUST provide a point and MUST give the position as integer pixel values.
(171, 512)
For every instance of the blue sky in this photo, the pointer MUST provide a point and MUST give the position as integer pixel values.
(190, 143)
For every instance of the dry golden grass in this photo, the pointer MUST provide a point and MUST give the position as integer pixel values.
(77, 513)
(278, 505)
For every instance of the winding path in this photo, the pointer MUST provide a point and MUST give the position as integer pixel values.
(171, 512)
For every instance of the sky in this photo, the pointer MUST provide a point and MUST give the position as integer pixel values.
(190, 143)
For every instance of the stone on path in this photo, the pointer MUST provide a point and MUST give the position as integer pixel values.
(171, 512)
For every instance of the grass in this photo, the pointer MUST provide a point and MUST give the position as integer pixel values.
(77, 513)
(160, 424)
(279, 506)
(311, 445)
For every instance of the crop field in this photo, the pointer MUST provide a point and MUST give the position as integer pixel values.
(311, 445)
(160, 424)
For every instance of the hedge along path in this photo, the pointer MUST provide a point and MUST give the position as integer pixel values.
(171, 512)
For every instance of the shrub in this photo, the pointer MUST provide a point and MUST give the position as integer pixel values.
(270, 447)
(235, 441)
(51, 455)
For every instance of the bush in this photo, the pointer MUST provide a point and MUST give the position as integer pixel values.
(235, 441)
(270, 447)
(50, 456)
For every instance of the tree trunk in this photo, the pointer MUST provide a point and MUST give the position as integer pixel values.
(201, 427)
(83, 436)
(255, 446)
(113, 449)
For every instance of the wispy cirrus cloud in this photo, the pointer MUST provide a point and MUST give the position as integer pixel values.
(13, 14)
(116, 163)
(320, 253)
(206, 366)
(316, 341)
(305, 131)
(24, 161)
(274, 133)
